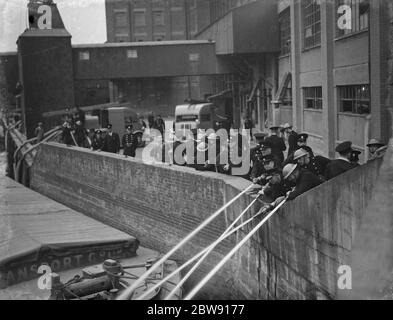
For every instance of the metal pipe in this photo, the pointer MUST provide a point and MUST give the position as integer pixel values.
(129, 291)
(186, 264)
(230, 254)
(210, 249)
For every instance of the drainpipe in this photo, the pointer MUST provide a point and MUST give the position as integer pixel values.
(186, 10)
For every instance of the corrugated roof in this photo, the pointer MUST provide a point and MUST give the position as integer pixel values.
(45, 33)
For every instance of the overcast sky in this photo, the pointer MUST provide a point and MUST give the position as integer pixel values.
(84, 19)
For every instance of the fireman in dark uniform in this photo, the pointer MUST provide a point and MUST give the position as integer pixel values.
(303, 180)
(130, 143)
(277, 144)
(111, 141)
(343, 163)
(263, 169)
(98, 141)
(275, 188)
(301, 142)
(292, 138)
(259, 137)
(355, 157)
(316, 165)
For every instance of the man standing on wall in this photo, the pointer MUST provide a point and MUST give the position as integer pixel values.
(111, 141)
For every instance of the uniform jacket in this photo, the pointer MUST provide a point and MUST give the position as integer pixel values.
(254, 152)
(66, 136)
(278, 146)
(337, 167)
(292, 142)
(304, 183)
(317, 166)
(130, 144)
(258, 169)
(97, 143)
(111, 143)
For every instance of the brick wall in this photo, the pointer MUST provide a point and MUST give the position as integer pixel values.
(295, 256)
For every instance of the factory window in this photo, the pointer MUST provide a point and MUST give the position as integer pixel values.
(132, 54)
(285, 32)
(159, 38)
(84, 55)
(193, 57)
(178, 20)
(354, 99)
(140, 19)
(355, 20)
(313, 98)
(158, 18)
(120, 19)
(312, 23)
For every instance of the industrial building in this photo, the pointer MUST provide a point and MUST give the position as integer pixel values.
(276, 61)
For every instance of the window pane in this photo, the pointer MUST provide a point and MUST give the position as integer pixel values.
(355, 99)
(140, 19)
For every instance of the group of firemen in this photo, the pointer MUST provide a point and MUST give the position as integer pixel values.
(97, 140)
(276, 177)
(281, 164)
(75, 134)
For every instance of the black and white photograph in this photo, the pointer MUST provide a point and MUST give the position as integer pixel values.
(219, 152)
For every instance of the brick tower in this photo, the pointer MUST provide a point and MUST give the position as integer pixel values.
(45, 64)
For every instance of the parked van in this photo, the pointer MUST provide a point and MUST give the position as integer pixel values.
(199, 116)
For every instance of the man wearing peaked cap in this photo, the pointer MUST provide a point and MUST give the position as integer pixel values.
(343, 163)
(259, 137)
(111, 141)
(292, 137)
(302, 139)
(355, 157)
(130, 143)
(97, 141)
(277, 144)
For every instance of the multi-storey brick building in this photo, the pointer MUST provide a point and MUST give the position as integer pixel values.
(160, 20)
(328, 70)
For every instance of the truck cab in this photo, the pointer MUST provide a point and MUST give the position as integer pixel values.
(198, 116)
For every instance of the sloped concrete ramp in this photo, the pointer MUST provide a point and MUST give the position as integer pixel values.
(36, 230)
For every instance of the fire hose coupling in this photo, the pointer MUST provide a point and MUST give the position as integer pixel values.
(112, 266)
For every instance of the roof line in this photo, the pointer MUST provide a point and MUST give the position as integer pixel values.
(141, 44)
(8, 53)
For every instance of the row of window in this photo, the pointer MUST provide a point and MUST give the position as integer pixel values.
(158, 18)
(351, 16)
(133, 54)
(351, 99)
